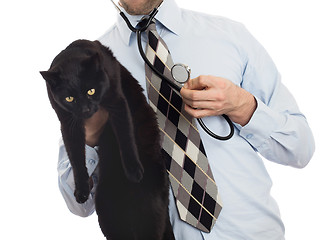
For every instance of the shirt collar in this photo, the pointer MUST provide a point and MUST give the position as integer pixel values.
(169, 15)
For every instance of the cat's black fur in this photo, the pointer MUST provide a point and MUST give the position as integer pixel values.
(132, 192)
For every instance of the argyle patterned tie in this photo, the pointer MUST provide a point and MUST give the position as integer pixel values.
(193, 185)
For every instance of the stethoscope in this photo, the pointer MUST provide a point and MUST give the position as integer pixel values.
(179, 72)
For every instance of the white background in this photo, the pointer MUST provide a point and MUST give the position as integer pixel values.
(298, 34)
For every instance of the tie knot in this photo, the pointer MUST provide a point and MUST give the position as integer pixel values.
(144, 25)
(151, 25)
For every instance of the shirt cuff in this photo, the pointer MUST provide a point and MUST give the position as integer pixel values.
(263, 123)
(91, 159)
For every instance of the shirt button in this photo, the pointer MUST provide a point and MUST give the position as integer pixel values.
(94, 178)
(249, 136)
(92, 162)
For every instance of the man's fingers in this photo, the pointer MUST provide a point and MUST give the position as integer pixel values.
(199, 104)
(207, 96)
(201, 88)
(197, 95)
(198, 113)
(199, 83)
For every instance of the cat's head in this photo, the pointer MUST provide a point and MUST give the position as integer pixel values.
(77, 81)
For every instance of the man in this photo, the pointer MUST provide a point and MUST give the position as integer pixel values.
(245, 85)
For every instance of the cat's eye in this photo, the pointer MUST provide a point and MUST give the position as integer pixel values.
(69, 99)
(91, 91)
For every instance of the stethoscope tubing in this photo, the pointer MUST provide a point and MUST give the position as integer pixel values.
(175, 86)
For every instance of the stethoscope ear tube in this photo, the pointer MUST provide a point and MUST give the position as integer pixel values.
(178, 88)
(143, 55)
(141, 28)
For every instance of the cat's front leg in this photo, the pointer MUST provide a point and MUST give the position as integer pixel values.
(123, 127)
(74, 141)
(82, 190)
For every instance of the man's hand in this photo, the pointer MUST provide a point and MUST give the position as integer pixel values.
(212, 96)
(94, 126)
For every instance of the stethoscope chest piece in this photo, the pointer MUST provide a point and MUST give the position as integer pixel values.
(180, 73)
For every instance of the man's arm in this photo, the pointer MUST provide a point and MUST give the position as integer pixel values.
(263, 109)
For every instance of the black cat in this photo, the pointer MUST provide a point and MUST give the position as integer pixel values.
(132, 193)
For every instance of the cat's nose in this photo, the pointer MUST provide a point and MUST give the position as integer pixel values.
(85, 109)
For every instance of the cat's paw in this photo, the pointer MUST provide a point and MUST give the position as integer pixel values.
(82, 195)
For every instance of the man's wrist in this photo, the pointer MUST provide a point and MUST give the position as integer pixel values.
(94, 126)
(91, 141)
(246, 106)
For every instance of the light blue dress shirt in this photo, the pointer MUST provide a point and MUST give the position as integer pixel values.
(278, 131)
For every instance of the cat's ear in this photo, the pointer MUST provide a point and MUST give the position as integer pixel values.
(50, 77)
(92, 62)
